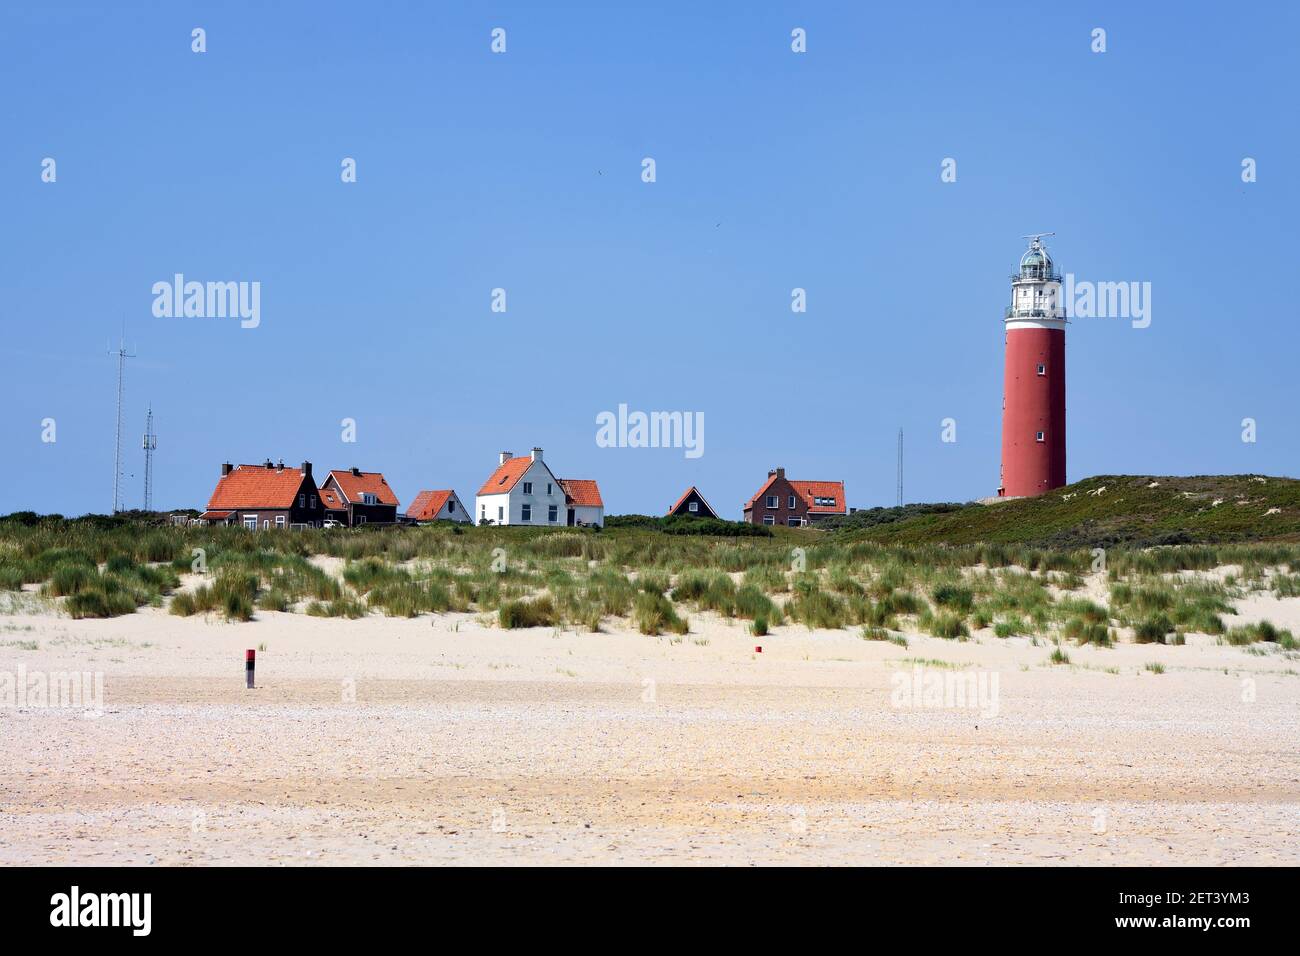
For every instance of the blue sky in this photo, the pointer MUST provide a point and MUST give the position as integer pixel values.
(522, 171)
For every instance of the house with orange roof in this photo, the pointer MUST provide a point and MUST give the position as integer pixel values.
(365, 496)
(263, 497)
(692, 505)
(430, 506)
(524, 491)
(332, 507)
(794, 502)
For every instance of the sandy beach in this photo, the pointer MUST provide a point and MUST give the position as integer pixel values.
(444, 739)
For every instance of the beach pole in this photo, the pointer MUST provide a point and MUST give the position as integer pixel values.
(250, 661)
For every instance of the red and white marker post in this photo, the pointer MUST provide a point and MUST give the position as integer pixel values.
(250, 661)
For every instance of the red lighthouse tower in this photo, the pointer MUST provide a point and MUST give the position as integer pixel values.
(1033, 391)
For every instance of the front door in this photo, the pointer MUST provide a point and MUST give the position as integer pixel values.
(570, 517)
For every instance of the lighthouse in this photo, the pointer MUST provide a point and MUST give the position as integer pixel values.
(1033, 389)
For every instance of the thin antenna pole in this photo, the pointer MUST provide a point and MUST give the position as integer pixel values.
(150, 443)
(122, 355)
(900, 467)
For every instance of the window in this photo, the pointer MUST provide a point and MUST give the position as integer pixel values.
(369, 499)
(528, 487)
(769, 519)
(482, 512)
(548, 488)
(266, 523)
(824, 501)
(794, 521)
(526, 513)
(361, 520)
(501, 514)
(792, 504)
(451, 507)
(693, 506)
(302, 501)
(313, 502)
(1042, 369)
(279, 521)
(1038, 436)
(772, 501)
(553, 514)
(250, 522)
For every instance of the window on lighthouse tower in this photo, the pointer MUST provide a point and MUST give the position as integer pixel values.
(1038, 436)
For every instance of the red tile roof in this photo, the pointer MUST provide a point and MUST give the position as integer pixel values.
(686, 494)
(330, 500)
(428, 505)
(354, 486)
(216, 515)
(506, 476)
(810, 491)
(581, 491)
(761, 491)
(256, 486)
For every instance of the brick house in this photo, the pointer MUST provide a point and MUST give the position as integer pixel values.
(430, 506)
(365, 496)
(693, 505)
(794, 502)
(265, 496)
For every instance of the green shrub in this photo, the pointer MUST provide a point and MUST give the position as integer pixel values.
(536, 613)
(945, 625)
(952, 596)
(273, 600)
(759, 627)
(654, 614)
(1152, 630)
(98, 603)
(1087, 632)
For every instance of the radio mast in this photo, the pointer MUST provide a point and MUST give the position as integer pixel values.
(149, 444)
(900, 467)
(122, 355)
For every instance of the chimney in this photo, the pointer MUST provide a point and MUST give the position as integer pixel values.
(356, 472)
(226, 468)
(268, 464)
(537, 454)
(306, 469)
(505, 457)
(779, 472)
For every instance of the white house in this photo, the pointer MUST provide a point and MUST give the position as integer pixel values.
(523, 490)
(441, 505)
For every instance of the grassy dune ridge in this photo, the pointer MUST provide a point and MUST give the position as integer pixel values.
(1108, 510)
(641, 578)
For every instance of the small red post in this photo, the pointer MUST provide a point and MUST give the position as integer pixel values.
(250, 661)
(758, 649)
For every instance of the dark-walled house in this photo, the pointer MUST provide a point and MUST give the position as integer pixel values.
(365, 495)
(692, 505)
(794, 502)
(266, 496)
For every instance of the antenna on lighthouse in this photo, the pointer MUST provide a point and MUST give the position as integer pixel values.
(149, 444)
(122, 355)
(900, 467)
(1037, 237)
